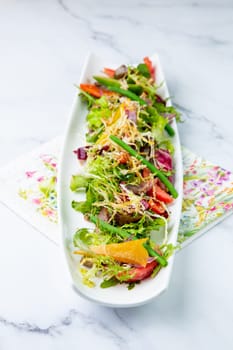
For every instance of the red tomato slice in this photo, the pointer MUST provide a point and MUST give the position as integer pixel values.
(158, 193)
(92, 90)
(110, 72)
(140, 273)
(163, 196)
(150, 66)
(156, 207)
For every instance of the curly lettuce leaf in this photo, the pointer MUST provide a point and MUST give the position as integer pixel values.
(78, 183)
(106, 267)
(84, 238)
(97, 113)
(82, 206)
(144, 226)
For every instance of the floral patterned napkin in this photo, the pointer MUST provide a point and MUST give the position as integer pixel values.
(207, 196)
(28, 187)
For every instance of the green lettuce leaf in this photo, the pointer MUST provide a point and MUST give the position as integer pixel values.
(98, 112)
(78, 183)
(82, 206)
(143, 69)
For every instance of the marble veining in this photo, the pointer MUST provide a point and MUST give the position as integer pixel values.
(99, 36)
(43, 46)
(186, 113)
(59, 328)
(27, 327)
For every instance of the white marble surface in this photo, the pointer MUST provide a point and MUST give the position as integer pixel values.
(43, 46)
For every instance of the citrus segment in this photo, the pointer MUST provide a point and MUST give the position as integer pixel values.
(130, 252)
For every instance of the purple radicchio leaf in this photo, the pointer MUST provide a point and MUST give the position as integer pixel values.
(163, 159)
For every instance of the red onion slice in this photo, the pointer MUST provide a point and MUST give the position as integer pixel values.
(81, 153)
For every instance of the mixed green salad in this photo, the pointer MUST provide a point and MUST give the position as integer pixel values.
(127, 179)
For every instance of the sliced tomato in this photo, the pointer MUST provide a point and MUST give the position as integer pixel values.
(110, 72)
(156, 207)
(162, 195)
(140, 273)
(91, 89)
(158, 193)
(150, 66)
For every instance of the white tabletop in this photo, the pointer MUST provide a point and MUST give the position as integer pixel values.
(43, 46)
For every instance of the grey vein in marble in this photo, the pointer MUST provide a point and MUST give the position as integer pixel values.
(175, 4)
(72, 14)
(29, 327)
(95, 35)
(118, 18)
(117, 313)
(57, 328)
(204, 40)
(92, 321)
(192, 116)
(201, 39)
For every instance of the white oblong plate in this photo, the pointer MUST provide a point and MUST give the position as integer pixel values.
(70, 220)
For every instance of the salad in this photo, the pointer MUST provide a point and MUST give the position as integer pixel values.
(127, 178)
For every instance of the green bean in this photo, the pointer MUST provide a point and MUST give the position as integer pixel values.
(128, 94)
(152, 252)
(170, 130)
(149, 165)
(103, 225)
(108, 82)
(136, 89)
(113, 85)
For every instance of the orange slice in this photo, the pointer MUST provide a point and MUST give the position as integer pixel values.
(131, 252)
